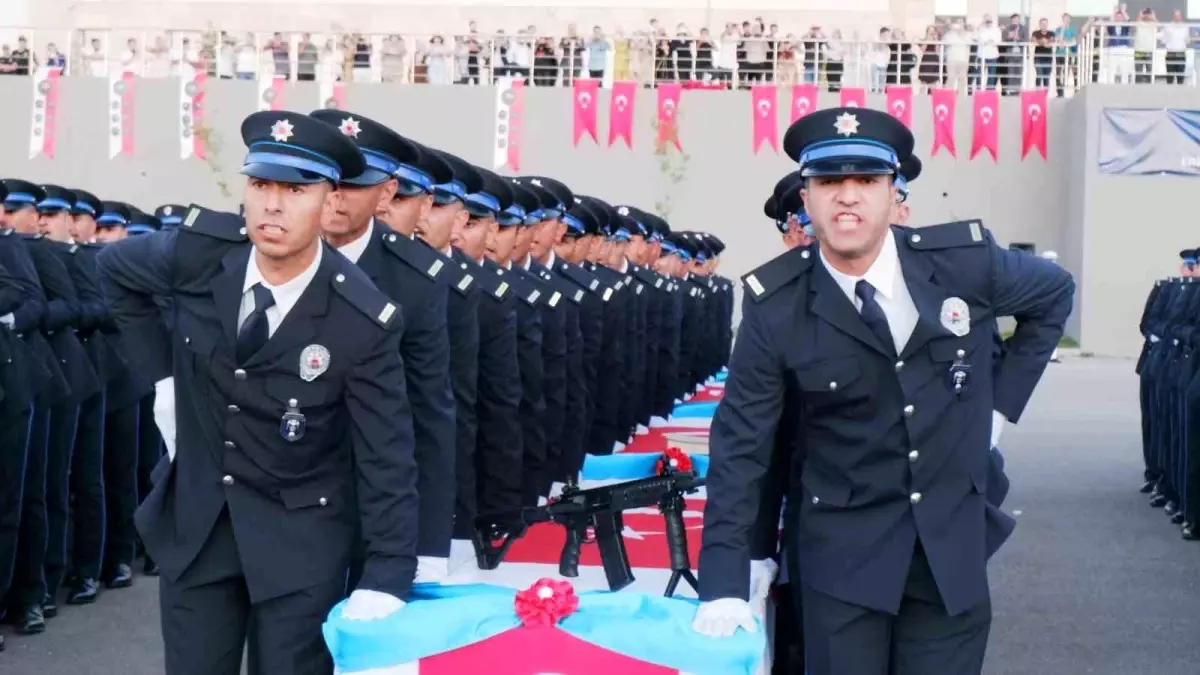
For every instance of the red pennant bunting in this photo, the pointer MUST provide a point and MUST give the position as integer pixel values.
(120, 113)
(270, 92)
(43, 132)
(1033, 121)
(668, 115)
(854, 97)
(332, 95)
(804, 100)
(943, 101)
(191, 114)
(509, 125)
(620, 113)
(765, 99)
(986, 131)
(586, 95)
(899, 104)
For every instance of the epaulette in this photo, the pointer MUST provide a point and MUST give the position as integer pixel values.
(777, 272)
(216, 224)
(526, 286)
(948, 235)
(74, 248)
(352, 283)
(650, 277)
(584, 278)
(416, 254)
(495, 285)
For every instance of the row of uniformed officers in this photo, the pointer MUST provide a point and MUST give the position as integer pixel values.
(538, 326)
(77, 438)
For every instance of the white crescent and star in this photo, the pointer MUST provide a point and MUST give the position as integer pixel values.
(585, 99)
(986, 114)
(764, 107)
(941, 112)
(1035, 111)
(803, 104)
(621, 102)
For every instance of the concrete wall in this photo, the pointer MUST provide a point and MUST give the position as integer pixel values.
(1116, 234)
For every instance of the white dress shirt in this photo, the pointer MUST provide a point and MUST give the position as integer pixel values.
(550, 261)
(891, 291)
(354, 250)
(286, 294)
(528, 261)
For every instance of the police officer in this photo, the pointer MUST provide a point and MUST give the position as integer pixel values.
(606, 434)
(83, 216)
(633, 410)
(893, 570)
(407, 273)
(649, 310)
(170, 216)
(293, 424)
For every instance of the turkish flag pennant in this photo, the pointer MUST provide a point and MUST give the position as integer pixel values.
(804, 100)
(332, 95)
(586, 93)
(120, 109)
(854, 97)
(510, 116)
(899, 104)
(668, 115)
(270, 92)
(1033, 121)
(191, 115)
(943, 119)
(620, 113)
(43, 134)
(985, 133)
(766, 116)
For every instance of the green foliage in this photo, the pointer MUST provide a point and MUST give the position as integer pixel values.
(672, 170)
(212, 155)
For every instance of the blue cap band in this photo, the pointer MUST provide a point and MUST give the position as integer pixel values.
(20, 198)
(484, 200)
(848, 151)
(54, 203)
(84, 207)
(139, 229)
(803, 218)
(901, 184)
(171, 220)
(574, 223)
(413, 175)
(313, 166)
(642, 229)
(111, 219)
(668, 247)
(513, 215)
(621, 234)
(453, 187)
(380, 161)
(700, 257)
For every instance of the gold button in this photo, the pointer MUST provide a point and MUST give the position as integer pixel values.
(230, 444)
(233, 408)
(340, 278)
(914, 456)
(322, 501)
(908, 411)
(228, 480)
(239, 374)
(833, 386)
(899, 366)
(915, 498)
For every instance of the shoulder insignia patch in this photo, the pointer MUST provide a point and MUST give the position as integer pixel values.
(947, 235)
(74, 248)
(578, 297)
(352, 284)
(215, 224)
(553, 301)
(416, 254)
(607, 294)
(777, 272)
(500, 290)
(464, 283)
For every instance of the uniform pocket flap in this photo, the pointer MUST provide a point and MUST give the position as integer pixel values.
(304, 496)
(830, 375)
(289, 389)
(951, 348)
(820, 491)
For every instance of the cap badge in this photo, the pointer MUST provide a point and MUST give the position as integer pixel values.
(166, 210)
(956, 316)
(846, 124)
(350, 127)
(624, 210)
(536, 182)
(282, 131)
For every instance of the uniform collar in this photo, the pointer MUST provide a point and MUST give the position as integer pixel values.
(288, 293)
(355, 249)
(528, 262)
(881, 274)
(624, 266)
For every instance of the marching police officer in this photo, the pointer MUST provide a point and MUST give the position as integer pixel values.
(891, 544)
(294, 433)
(407, 272)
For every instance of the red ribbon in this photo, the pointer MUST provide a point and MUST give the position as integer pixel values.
(545, 603)
(765, 109)
(1033, 121)
(586, 99)
(854, 97)
(804, 100)
(45, 139)
(899, 104)
(668, 115)
(943, 101)
(127, 114)
(985, 133)
(620, 113)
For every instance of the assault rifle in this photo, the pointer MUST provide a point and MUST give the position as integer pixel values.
(595, 515)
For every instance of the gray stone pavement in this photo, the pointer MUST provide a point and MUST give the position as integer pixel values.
(1092, 582)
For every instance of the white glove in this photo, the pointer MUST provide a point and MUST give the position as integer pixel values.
(998, 422)
(431, 570)
(164, 413)
(365, 605)
(8, 320)
(722, 618)
(762, 575)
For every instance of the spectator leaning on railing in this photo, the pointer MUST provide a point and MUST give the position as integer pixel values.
(1175, 36)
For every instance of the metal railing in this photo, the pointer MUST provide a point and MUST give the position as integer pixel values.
(1103, 52)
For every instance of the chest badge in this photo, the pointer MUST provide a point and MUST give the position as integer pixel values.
(314, 361)
(956, 316)
(292, 424)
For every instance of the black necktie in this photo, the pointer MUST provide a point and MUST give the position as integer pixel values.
(873, 316)
(255, 330)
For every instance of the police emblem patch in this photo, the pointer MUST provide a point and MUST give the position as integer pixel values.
(314, 361)
(292, 424)
(956, 316)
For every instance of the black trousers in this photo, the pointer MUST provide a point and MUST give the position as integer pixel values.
(14, 441)
(841, 638)
(87, 490)
(120, 487)
(208, 618)
(150, 445)
(29, 577)
(64, 421)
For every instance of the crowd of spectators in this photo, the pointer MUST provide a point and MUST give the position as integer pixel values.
(1005, 54)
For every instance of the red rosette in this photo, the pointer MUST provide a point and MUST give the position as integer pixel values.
(673, 460)
(545, 603)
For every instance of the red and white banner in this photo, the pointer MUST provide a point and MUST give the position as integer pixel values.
(587, 94)
(270, 92)
(620, 113)
(854, 97)
(765, 98)
(191, 115)
(943, 101)
(804, 100)
(1033, 122)
(668, 115)
(332, 95)
(510, 105)
(43, 130)
(899, 104)
(120, 114)
(985, 133)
